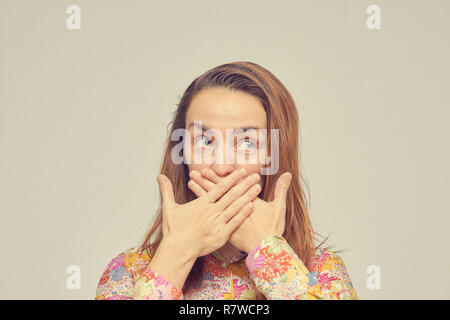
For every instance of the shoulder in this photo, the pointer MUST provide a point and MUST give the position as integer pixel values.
(326, 259)
(131, 260)
(118, 276)
(330, 263)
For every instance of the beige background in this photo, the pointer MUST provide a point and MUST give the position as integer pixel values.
(84, 113)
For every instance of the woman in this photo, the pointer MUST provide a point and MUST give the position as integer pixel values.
(230, 229)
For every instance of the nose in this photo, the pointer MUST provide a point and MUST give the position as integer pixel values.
(223, 169)
(220, 165)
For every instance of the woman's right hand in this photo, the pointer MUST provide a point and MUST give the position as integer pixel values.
(203, 225)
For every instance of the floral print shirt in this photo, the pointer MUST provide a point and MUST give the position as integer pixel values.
(272, 270)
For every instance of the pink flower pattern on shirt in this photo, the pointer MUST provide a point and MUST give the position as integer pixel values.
(271, 270)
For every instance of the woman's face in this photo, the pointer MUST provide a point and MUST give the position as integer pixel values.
(221, 109)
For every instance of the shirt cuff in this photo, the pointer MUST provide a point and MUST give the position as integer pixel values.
(260, 253)
(271, 258)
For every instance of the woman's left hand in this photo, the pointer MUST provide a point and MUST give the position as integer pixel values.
(267, 218)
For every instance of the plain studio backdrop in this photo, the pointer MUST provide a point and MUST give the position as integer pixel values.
(84, 115)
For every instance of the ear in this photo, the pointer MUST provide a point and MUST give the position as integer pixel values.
(281, 188)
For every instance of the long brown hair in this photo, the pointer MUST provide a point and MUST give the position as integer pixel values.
(281, 114)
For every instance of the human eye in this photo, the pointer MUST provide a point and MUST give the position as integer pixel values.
(247, 144)
(202, 141)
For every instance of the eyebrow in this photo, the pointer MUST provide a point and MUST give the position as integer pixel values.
(204, 128)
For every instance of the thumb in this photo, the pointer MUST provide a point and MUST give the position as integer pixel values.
(166, 189)
(281, 188)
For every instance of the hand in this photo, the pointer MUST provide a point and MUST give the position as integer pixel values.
(203, 225)
(268, 218)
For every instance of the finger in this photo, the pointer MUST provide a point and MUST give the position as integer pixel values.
(238, 219)
(238, 191)
(282, 187)
(225, 184)
(204, 183)
(166, 189)
(240, 203)
(210, 175)
(196, 188)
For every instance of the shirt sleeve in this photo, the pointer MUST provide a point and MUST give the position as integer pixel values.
(279, 273)
(120, 282)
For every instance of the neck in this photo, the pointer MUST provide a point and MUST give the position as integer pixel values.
(228, 251)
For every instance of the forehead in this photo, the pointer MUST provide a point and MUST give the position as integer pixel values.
(221, 108)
